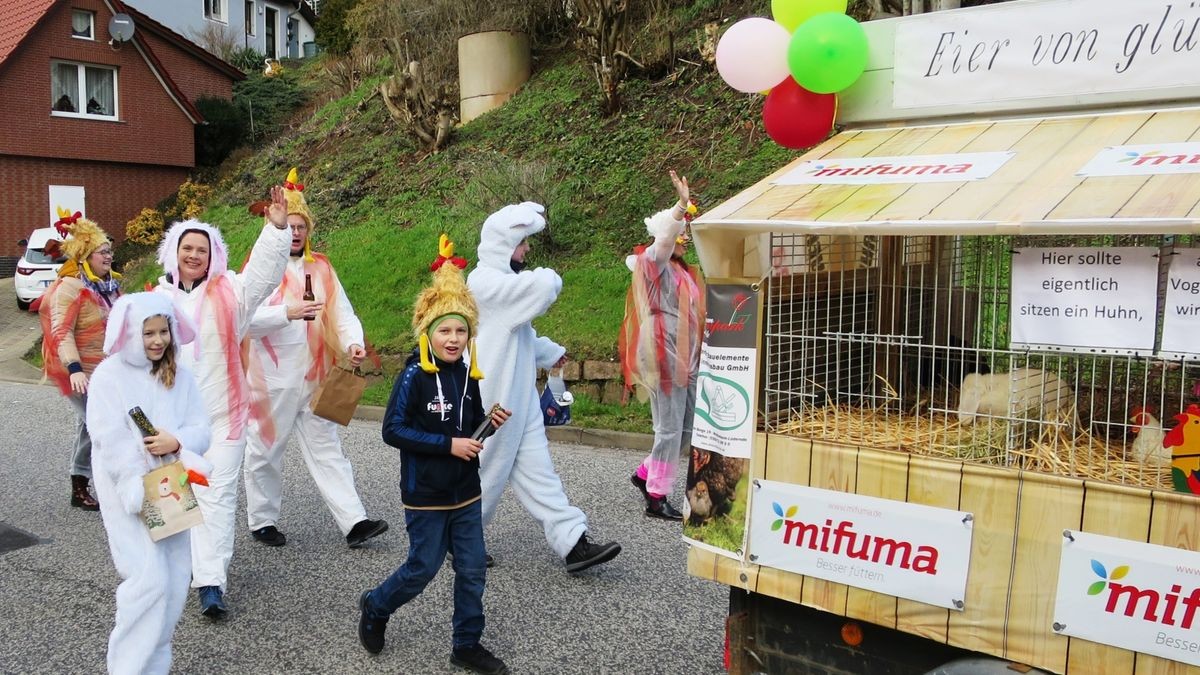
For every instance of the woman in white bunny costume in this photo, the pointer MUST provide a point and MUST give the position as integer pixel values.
(221, 304)
(510, 352)
(154, 576)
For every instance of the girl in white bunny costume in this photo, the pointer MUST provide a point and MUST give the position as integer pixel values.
(140, 373)
(221, 304)
(510, 352)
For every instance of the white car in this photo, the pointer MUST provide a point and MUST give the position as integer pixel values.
(36, 270)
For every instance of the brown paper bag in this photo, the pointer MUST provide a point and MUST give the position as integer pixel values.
(169, 505)
(337, 397)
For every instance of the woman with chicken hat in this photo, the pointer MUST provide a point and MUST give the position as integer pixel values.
(73, 313)
(143, 342)
(221, 304)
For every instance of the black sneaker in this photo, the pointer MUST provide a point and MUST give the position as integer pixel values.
(659, 507)
(212, 602)
(585, 554)
(269, 535)
(370, 631)
(364, 530)
(478, 659)
(640, 484)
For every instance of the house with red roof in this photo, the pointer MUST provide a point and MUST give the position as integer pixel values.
(90, 123)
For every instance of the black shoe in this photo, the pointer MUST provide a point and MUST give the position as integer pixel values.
(640, 484)
(585, 554)
(364, 530)
(659, 507)
(269, 535)
(370, 631)
(212, 602)
(478, 659)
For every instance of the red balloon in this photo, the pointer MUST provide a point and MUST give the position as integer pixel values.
(797, 118)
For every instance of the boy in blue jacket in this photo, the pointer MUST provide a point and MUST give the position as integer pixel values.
(434, 409)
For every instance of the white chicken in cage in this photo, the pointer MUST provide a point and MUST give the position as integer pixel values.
(1024, 394)
(1148, 445)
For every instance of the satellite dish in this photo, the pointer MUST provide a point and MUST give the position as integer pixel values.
(120, 27)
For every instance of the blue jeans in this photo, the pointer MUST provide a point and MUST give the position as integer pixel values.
(430, 535)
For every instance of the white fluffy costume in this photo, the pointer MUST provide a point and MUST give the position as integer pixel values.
(221, 306)
(288, 360)
(510, 352)
(660, 345)
(154, 576)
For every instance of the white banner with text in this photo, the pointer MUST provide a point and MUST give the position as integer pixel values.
(1181, 312)
(1045, 49)
(1084, 299)
(1129, 594)
(907, 550)
(904, 169)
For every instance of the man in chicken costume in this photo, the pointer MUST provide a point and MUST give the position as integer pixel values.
(73, 313)
(510, 352)
(295, 344)
(221, 304)
(153, 590)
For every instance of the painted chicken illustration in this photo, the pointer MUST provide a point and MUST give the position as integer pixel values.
(1184, 442)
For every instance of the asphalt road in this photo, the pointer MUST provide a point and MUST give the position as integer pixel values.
(294, 609)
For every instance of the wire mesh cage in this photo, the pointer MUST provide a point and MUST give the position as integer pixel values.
(903, 342)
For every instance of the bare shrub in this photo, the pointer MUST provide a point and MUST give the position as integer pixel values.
(345, 73)
(219, 39)
(426, 109)
(605, 38)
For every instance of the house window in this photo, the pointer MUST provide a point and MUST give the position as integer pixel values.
(249, 17)
(83, 24)
(272, 21)
(216, 10)
(79, 90)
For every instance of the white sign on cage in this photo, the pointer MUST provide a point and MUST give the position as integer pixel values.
(1129, 594)
(1181, 313)
(725, 384)
(1091, 300)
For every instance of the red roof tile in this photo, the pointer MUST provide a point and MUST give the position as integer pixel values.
(20, 17)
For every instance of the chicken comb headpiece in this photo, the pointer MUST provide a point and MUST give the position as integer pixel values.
(448, 295)
(298, 206)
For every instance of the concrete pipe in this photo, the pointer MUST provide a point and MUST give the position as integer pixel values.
(492, 65)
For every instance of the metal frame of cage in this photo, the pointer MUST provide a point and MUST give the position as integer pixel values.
(870, 337)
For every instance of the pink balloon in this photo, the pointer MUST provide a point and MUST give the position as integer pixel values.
(795, 117)
(752, 55)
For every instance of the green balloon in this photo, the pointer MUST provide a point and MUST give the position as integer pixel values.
(827, 53)
(791, 13)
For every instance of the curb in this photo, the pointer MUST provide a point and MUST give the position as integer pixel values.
(602, 438)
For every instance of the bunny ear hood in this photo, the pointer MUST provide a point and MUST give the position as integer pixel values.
(168, 250)
(504, 230)
(129, 313)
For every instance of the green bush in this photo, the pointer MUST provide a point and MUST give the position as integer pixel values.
(225, 129)
(332, 34)
(269, 101)
(247, 60)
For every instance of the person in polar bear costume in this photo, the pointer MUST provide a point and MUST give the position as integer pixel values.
(221, 304)
(510, 352)
(142, 341)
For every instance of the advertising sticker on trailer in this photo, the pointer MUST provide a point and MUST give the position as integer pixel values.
(1129, 594)
(907, 550)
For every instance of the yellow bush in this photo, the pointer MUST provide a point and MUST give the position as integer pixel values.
(146, 228)
(191, 199)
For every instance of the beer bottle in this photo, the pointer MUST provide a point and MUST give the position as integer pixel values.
(308, 293)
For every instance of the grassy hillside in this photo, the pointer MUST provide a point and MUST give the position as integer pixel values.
(380, 207)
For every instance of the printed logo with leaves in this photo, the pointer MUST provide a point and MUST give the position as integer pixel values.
(1118, 573)
(778, 523)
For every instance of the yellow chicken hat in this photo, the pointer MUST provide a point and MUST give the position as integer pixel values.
(298, 206)
(447, 296)
(81, 238)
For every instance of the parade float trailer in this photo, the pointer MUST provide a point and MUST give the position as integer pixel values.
(957, 345)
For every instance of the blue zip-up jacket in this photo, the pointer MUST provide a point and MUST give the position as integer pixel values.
(430, 477)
